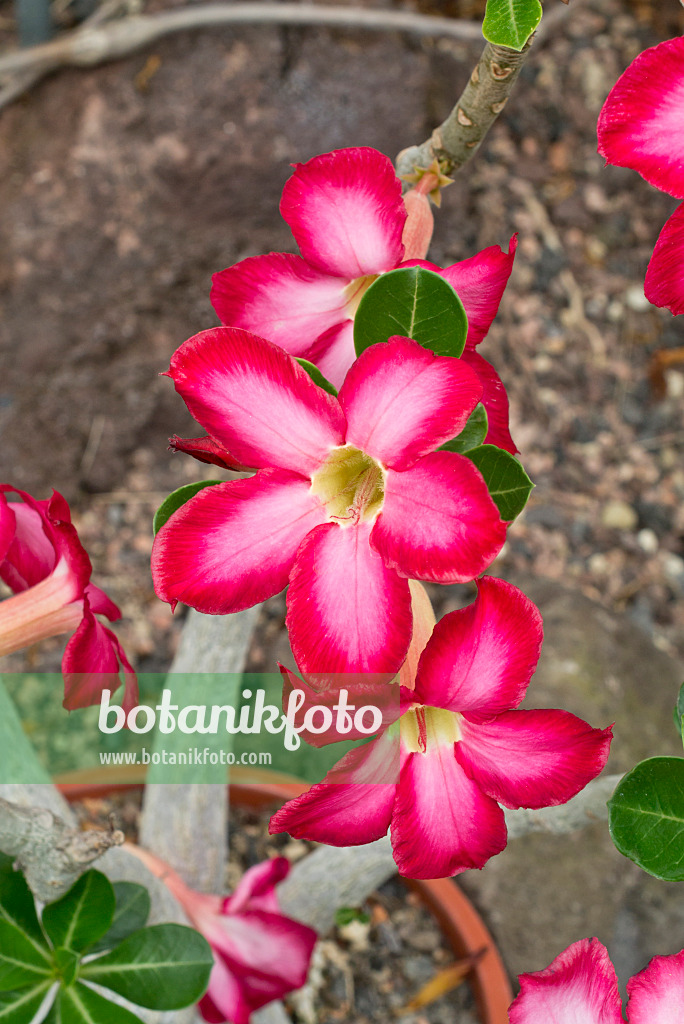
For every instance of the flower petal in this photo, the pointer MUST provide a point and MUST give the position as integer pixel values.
(402, 401)
(580, 985)
(333, 353)
(280, 297)
(479, 282)
(233, 544)
(256, 888)
(206, 450)
(480, 659)
(532, 758)
(346, 212)
(438, 521)
(346, 611)
(353, 804)
(495, 401)
(664, 284)
(92, 662)
(43, 535)
(8, 526)
(656, 994)
(256, 401)
(641, 124)
(442, 823)
(100, 604)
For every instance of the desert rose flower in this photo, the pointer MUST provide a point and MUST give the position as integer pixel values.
(460, 749)
(641, 126)
(347, 216)
(45, 565)
(350, 498)
(581, 986)
(259, 953)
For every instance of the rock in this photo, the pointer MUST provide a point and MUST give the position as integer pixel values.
(618, 515)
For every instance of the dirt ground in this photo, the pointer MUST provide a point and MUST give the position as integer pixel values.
(123, 188)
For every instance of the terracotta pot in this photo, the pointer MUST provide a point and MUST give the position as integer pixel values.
(456, 915)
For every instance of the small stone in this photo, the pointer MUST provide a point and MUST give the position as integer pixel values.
(647, 541)
(673, 569)
(356, 934)
(618, 515)
(674, 384)
(636, 300)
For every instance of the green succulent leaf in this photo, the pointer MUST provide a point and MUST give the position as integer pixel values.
(17, 905)
(66, 962)
(646, 817)
(20, 1006)
(414, 303)
(176, 499)
(22, 962)
(163, 967)
(83, 915)
(508, 483)
(317, 377)
(472, 435)
(82, 1005)
(132, 908)
(511, 22)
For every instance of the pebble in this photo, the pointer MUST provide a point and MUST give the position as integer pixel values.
(647, 541)
(618, 515)
(636, 300)
(673, 568)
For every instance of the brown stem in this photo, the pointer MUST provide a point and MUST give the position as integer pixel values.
(458, 138)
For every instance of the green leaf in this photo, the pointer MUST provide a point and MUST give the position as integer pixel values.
(83, 915)
(679, 712)
(163, 967)
(21, 961)
(130, 913)
(508, 483)
(17, 905)
(66, 962)
(82, 1005)
(345, 916)
(176, 499)
(317, 377)
(646, 817)
(414, 303)
(472, 435)
(20, 1007)
(511, 22)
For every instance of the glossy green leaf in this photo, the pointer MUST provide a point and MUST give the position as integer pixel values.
(176, 499)
(679, 712)
(163, 967)
(414, 303)
(17, 905)
(646, 817)
(20, 1006)
(317, 377)
(66, 962)
(511, 22)
(508, 483)
(82, 1005)
(131, 911)
(83, 915)
(21, 962)
(472, 435)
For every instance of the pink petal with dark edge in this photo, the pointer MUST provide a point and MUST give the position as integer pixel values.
(256, 888)
(346, 212)
(353, 804)
(346, 611)
(580, 985)
(438, 521)
(92, 662)
(495, 401)
(233, 544)
(402, 401)
(532, 758)
(442, 822)
(656, 994)
(480, 659)
(256, 401)
(280, 297)
(664, 284)
(641, 124)
(206, 450)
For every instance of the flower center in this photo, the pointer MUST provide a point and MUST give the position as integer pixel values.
(424, 726)
(351, 485)
(355, 291)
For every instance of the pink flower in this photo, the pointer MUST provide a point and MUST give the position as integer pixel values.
(259, 953)
(461, 751)
(347, 216)
(43, 562)
(581, 985)
(351, 497)
(642, 126)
